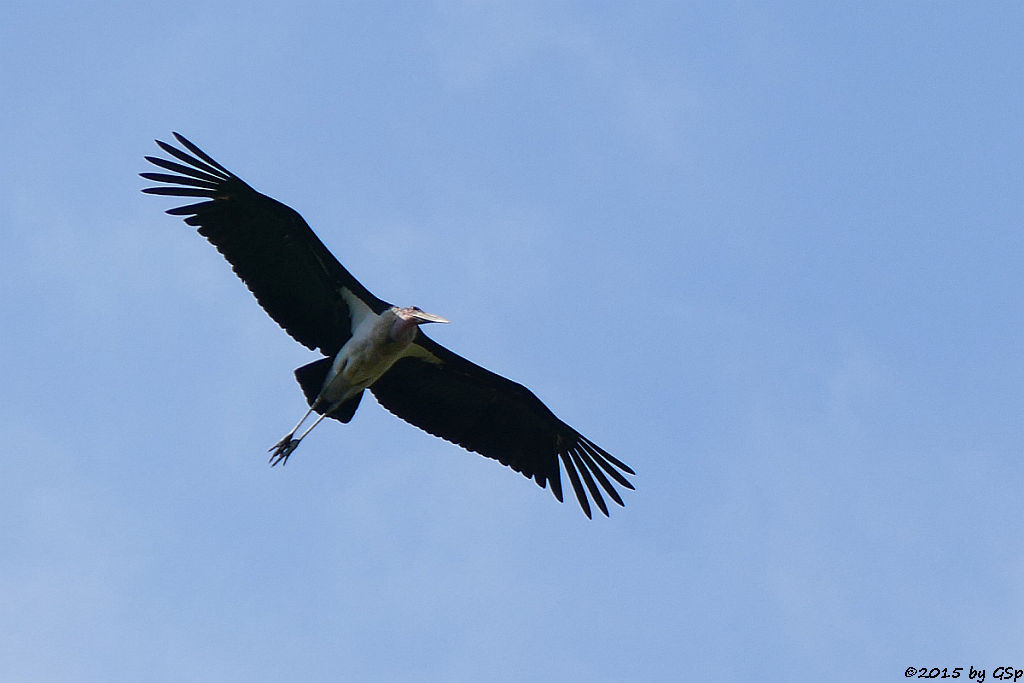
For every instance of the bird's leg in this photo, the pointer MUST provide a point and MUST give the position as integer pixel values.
(283, 448)
(310, 428)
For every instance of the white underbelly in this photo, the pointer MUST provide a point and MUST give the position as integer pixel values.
(358, 365)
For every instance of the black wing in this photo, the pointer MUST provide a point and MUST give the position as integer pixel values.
(450, 397)
(296, 280)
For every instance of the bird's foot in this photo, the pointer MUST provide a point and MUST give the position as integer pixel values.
(282, 449)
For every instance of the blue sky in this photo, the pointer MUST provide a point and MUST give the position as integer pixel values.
(770, 256)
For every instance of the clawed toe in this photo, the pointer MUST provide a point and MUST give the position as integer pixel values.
(282, 449)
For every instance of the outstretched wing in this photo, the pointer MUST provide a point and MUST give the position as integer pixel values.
(450, 397)
(296, 280)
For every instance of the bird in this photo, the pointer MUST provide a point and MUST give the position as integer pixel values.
(367, 343)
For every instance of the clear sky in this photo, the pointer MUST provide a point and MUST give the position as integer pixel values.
(768, 254)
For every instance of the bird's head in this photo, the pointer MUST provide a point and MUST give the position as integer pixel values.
(407, 320)
(417, 316)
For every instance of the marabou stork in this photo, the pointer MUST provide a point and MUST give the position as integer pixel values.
(369, 344)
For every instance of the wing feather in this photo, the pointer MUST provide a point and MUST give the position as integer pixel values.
(168, 178)
(599, 477)
(185, 170)
(604, 460)
(574, 478)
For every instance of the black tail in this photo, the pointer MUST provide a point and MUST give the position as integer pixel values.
(311, 378)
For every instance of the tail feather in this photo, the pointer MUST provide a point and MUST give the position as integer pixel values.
(311, 378)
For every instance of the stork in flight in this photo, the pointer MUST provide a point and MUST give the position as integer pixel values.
(369, 344)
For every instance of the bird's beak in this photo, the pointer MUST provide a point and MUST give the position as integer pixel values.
(423, 317)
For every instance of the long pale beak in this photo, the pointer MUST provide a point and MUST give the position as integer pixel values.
(424, 317)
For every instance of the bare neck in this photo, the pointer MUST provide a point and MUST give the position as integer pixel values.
(401, 330)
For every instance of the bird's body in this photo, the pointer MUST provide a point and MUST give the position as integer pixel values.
(369, 344)
(377, 342)
(371, 352)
